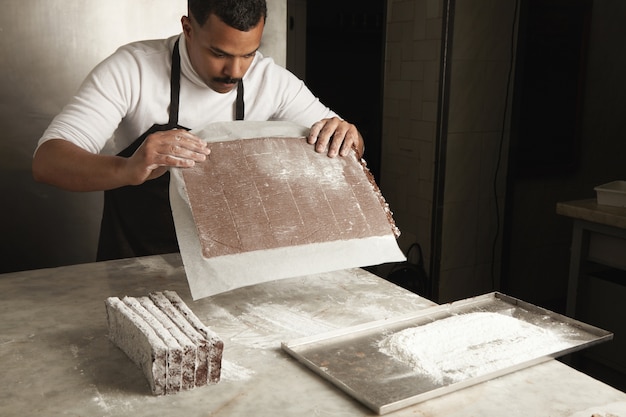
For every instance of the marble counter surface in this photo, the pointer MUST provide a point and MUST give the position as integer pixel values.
(55, 358)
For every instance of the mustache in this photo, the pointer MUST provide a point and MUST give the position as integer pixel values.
(227, 80)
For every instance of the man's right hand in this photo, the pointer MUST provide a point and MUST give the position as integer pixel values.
(65, 165)
(162, 150)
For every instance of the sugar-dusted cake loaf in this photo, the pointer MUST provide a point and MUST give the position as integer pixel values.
(139, 341)
(189, 349)
(203, 362)
(175, 350)
(173, 380)
(212, 340)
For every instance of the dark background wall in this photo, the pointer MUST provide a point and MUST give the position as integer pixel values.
(344, 64)
(567, 140)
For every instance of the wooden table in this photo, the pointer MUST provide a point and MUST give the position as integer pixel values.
(592, 223)
(596, 283)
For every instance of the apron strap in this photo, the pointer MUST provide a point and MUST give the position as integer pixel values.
(175, 85)
(239, 105)
(137, 220)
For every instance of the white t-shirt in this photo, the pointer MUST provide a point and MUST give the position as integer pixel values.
(130, 91)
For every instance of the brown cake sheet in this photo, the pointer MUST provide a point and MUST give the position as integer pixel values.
(273, 192)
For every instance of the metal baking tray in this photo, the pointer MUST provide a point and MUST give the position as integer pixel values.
(351, 358)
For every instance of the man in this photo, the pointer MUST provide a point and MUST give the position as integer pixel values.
(128, 123)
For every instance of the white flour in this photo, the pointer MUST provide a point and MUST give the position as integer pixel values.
(286, 164)
(233, 372)
(266, 325)
(469, 345)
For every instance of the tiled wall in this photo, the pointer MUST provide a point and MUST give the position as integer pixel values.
(410, 115)
(477, 134)
(479, 75)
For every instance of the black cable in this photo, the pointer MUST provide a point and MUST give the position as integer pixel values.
(499, 161)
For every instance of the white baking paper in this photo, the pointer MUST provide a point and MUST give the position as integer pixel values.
(212, 275)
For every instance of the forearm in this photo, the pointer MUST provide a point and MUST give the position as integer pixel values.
(62, 164)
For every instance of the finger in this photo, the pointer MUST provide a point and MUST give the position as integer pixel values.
(338, 141)
(315, 130)
(190, 141)
(325, 137)
(182, 145)
(178, 152)
(352, 142)
(346, 146)
(175, 148)
(174, 161)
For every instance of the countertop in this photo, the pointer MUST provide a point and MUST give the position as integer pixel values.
(593, 212)
(56, 359)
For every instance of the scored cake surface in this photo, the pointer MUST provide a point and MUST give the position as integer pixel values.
(274, 192)
(265, 206)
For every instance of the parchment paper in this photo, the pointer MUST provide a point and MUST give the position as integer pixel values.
(212, 275)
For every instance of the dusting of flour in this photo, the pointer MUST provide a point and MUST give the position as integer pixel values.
(469, 345)
(234, 372)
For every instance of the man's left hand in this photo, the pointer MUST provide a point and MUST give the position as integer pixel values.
(336, 137)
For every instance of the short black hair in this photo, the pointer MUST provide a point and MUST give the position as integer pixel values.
(240, 14)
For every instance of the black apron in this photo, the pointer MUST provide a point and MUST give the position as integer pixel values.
(137, 220)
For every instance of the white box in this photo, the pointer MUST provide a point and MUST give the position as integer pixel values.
(612, 194)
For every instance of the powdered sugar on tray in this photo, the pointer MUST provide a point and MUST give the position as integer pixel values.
(470, 345)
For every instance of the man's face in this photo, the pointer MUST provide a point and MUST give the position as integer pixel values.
(220, 54)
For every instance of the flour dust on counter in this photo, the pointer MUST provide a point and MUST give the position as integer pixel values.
(232, 371)
(268, 324)
(614, 409)
(267, 318)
